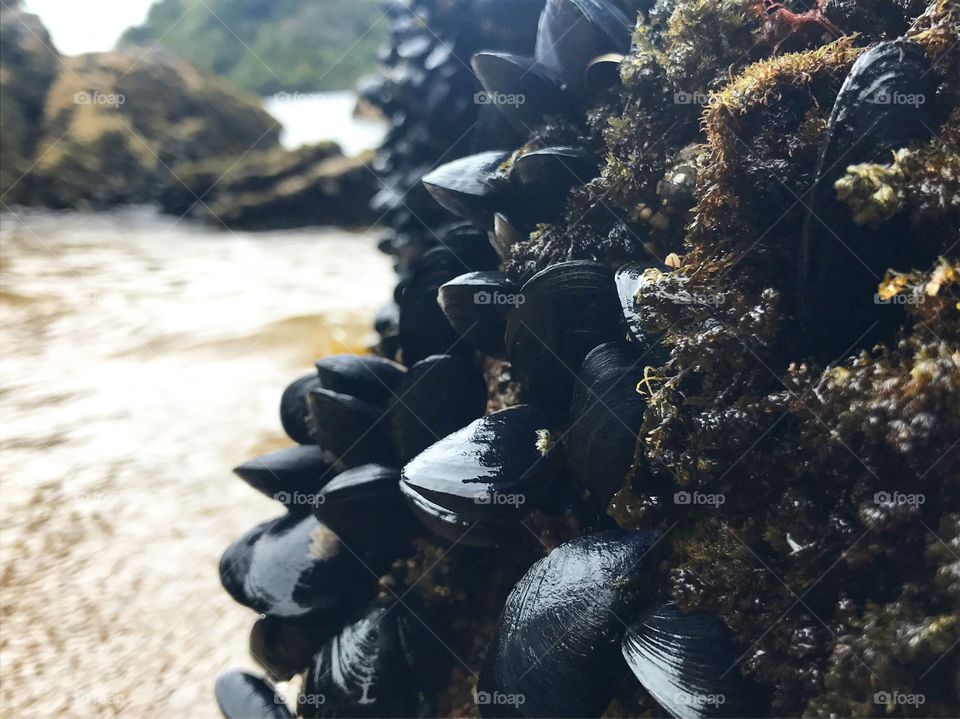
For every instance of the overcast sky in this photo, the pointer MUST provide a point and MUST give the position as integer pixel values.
(88, 25)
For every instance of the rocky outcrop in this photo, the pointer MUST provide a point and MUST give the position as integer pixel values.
(314, 185)
(114, 124)
(28, 64)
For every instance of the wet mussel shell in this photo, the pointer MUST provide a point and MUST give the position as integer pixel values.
(606, 413)
(244, 696)
(566, 310)
(439, 396)
(476, 305)
(688, 663)
(291, 476)
(571, 33)
(557, 644)
(456, 530)
(523, 91)
(364, 508)
(602, 73)
(841, 263)
(466, 186)
(424, 330)
(350, 432)
(629, 278)
(294, 411)
(494, 469)
(387, 663)
(543, 177)
(368, 378)
(294, 566)
(284, 647)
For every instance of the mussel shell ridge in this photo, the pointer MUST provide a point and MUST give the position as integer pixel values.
(557, 643)
(688, 663)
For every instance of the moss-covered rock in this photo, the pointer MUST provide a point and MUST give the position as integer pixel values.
(28, 64)
(314, 185)
(114, 124)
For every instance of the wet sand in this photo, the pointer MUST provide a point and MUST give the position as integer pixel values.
(142, 360)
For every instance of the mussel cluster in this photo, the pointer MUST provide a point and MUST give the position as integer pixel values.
(663, 417)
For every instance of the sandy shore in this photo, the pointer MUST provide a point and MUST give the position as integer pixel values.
(139, 368)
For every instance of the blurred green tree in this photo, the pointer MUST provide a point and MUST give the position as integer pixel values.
(266, 46)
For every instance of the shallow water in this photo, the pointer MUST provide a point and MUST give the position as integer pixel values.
(143, 358)
(311, 117)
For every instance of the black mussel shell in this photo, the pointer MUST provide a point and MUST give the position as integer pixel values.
(471, 245)
(567, 310)
(368, 378)
(496, 468)
(464, 186)
(387, 320)
(476, 305)
(842, 264)
(457, 530)
(543, 177)
(291, 476)
(388, 663)
(364, 507)
(556, 650)
(524, 92)
(603, 72)
(571, 33)
(559, 166)
(350, 432)
(605, 417)
(440, 395)
(284, 647)
(293, 566)
(424, 330)
(243, 696)
(504, 236)
(688, 663)
(294, 411)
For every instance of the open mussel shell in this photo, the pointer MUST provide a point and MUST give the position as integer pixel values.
(476, 305)
(841, 263)
(606, 413)
(365, 509)
(289, 476)
(284, 647)
(688, 663)
(387, 663)
(573, 32)
(439, 396)
(350, 432)
(497, 468)
(567, 310)
(465, 186)
(557, 643)
(366, 377)
(523, 91)
(424, 330)
(244, 696)
(294, 411)
(293, 566)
